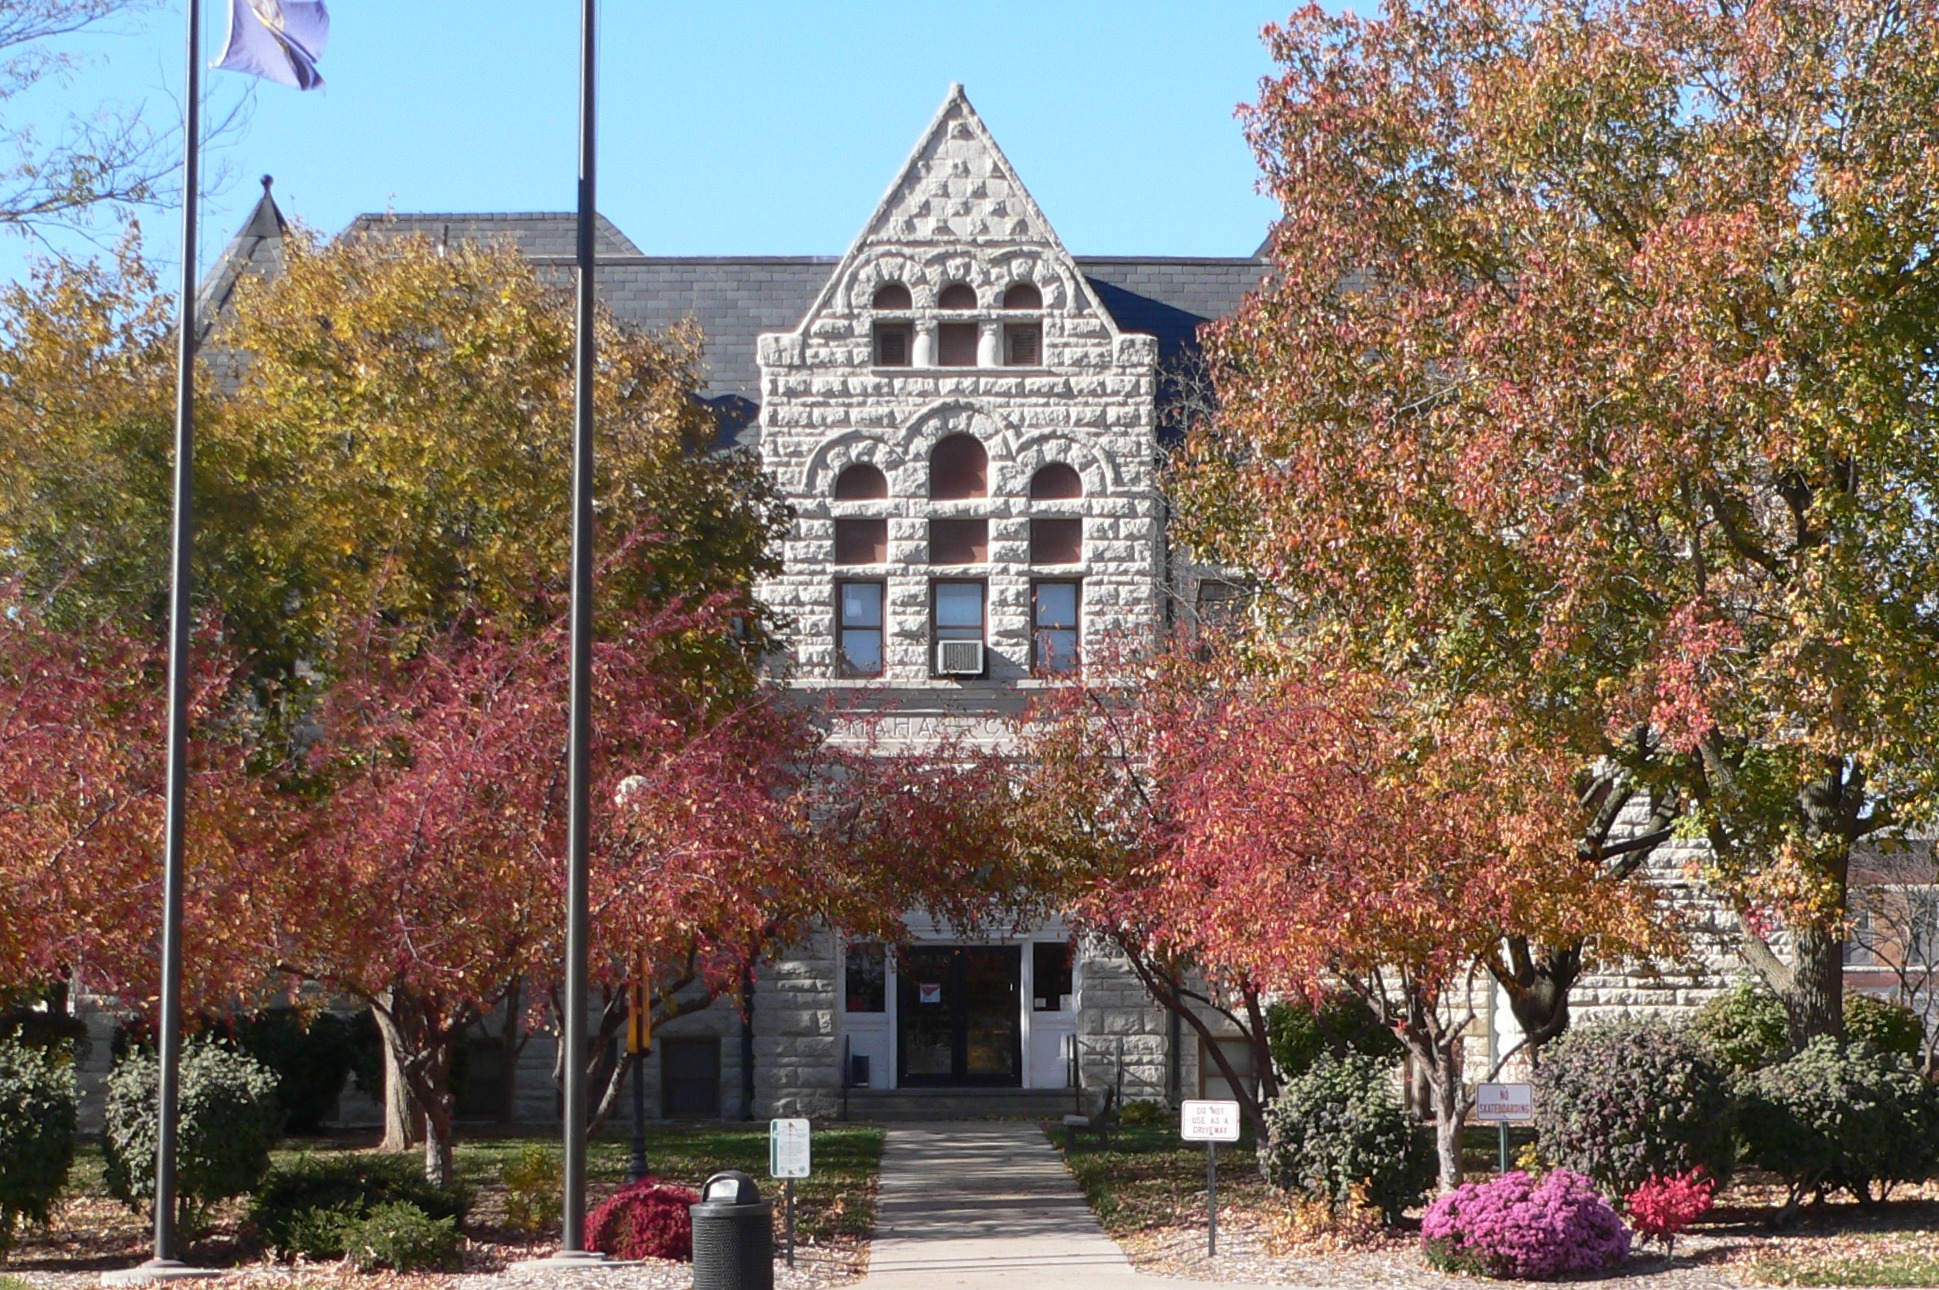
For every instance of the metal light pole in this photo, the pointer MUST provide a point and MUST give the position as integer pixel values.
(165, 1253)
(579, 738)
(639, 1042)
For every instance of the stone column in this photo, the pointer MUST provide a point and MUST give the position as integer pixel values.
(989, 343)
(925, 355)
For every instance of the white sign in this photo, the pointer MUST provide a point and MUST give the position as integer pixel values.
(1504, 1103)
(929, 992)
(1208, 1121)
(787, 1148)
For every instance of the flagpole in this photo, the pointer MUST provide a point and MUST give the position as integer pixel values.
(579, 735)
(164, 1262)
(178, 659)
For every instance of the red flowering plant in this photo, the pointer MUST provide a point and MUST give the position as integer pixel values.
(1662, 1206)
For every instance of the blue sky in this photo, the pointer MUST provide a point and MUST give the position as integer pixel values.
(727, 126)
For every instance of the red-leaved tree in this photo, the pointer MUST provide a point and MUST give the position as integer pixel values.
(82, 766)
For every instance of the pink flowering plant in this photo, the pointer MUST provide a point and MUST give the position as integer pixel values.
(1660, 1208)
(1519, 1227)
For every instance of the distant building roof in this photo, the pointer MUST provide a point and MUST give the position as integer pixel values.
(735, 299)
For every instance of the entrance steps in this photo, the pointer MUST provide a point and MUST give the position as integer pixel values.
(916, 1105)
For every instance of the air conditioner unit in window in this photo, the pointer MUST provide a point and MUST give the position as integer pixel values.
(959, 658)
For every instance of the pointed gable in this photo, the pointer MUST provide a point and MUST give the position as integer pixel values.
(255, 250)
(957, 196)
(957, 186)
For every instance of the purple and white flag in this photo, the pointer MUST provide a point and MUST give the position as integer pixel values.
(278, 40)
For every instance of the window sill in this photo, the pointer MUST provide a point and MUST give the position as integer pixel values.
(889, 369)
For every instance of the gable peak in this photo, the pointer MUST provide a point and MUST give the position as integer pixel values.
(957, 186)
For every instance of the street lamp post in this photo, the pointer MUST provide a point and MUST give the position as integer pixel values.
(579, 737)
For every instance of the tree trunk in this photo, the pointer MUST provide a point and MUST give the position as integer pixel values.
(403, 1120)
(1441, 1061)
(1537, 980)
(420, 1049)
(511, 1045)
(1815, 1002)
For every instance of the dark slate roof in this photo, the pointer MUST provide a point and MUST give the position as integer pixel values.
(1170, 297)
(540, 235)
(257, 248)
(734, 299)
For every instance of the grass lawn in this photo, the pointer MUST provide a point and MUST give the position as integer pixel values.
(834, 1209)
(1895, 1268)
(1152, 1180)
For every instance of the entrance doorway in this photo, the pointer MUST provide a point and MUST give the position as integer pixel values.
(959, 1022)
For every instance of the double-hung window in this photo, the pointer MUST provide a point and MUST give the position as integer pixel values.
(957, 615)
(1053, 625)
(859, 623)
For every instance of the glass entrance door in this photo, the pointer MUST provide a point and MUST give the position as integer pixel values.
(958, 1016)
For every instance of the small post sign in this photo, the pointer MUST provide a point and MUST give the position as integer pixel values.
(788, 1160)
(1210, 1122)
(1503, 1105)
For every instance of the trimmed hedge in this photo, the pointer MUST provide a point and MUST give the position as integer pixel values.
(1844, 1116)
(1625, 1101)
(37, 1121)
(647, 1220)
(1743, 1031)
(1888, 1027)
(228, 1121)
(312, 1057)
(303, 1206)
(404, 1238)
(1299, 1033)
(1338, 1125)
(1746, 1031)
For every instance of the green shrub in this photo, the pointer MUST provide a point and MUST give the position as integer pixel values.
(228, 1121)
(534, 1188)
(1842, 1116)
(402, 1237)
(1339, 1124)
(316, 1233)
(1888, 1027)
(1632, 1099)
(1145, 1112)
(1298, 1033)
(293, 1206)
(311, 1057)
(1743, 1031)
(37, 1116)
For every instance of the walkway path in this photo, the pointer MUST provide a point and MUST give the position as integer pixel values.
(987, 1206)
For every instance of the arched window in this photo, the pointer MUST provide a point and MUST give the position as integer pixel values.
(861, 483)
(1023, 295)
(957, 295)
(892, 295)
(959, 468)
(1055, 482)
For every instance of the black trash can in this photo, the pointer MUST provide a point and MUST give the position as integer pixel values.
(733, 1235)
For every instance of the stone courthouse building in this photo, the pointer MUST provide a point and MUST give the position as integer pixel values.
(966, 418)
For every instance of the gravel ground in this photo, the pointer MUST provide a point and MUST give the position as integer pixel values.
(1394, 1264)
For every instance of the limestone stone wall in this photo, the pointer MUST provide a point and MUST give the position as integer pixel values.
(1122, 1034)
(796, 1053)
(959, 216)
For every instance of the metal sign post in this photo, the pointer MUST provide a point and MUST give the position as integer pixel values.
(1210, 1123)
(639, 1042)
(788, 1159)
(1503, 1105)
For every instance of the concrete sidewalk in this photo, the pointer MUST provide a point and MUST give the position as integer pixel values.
(989, 1205)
